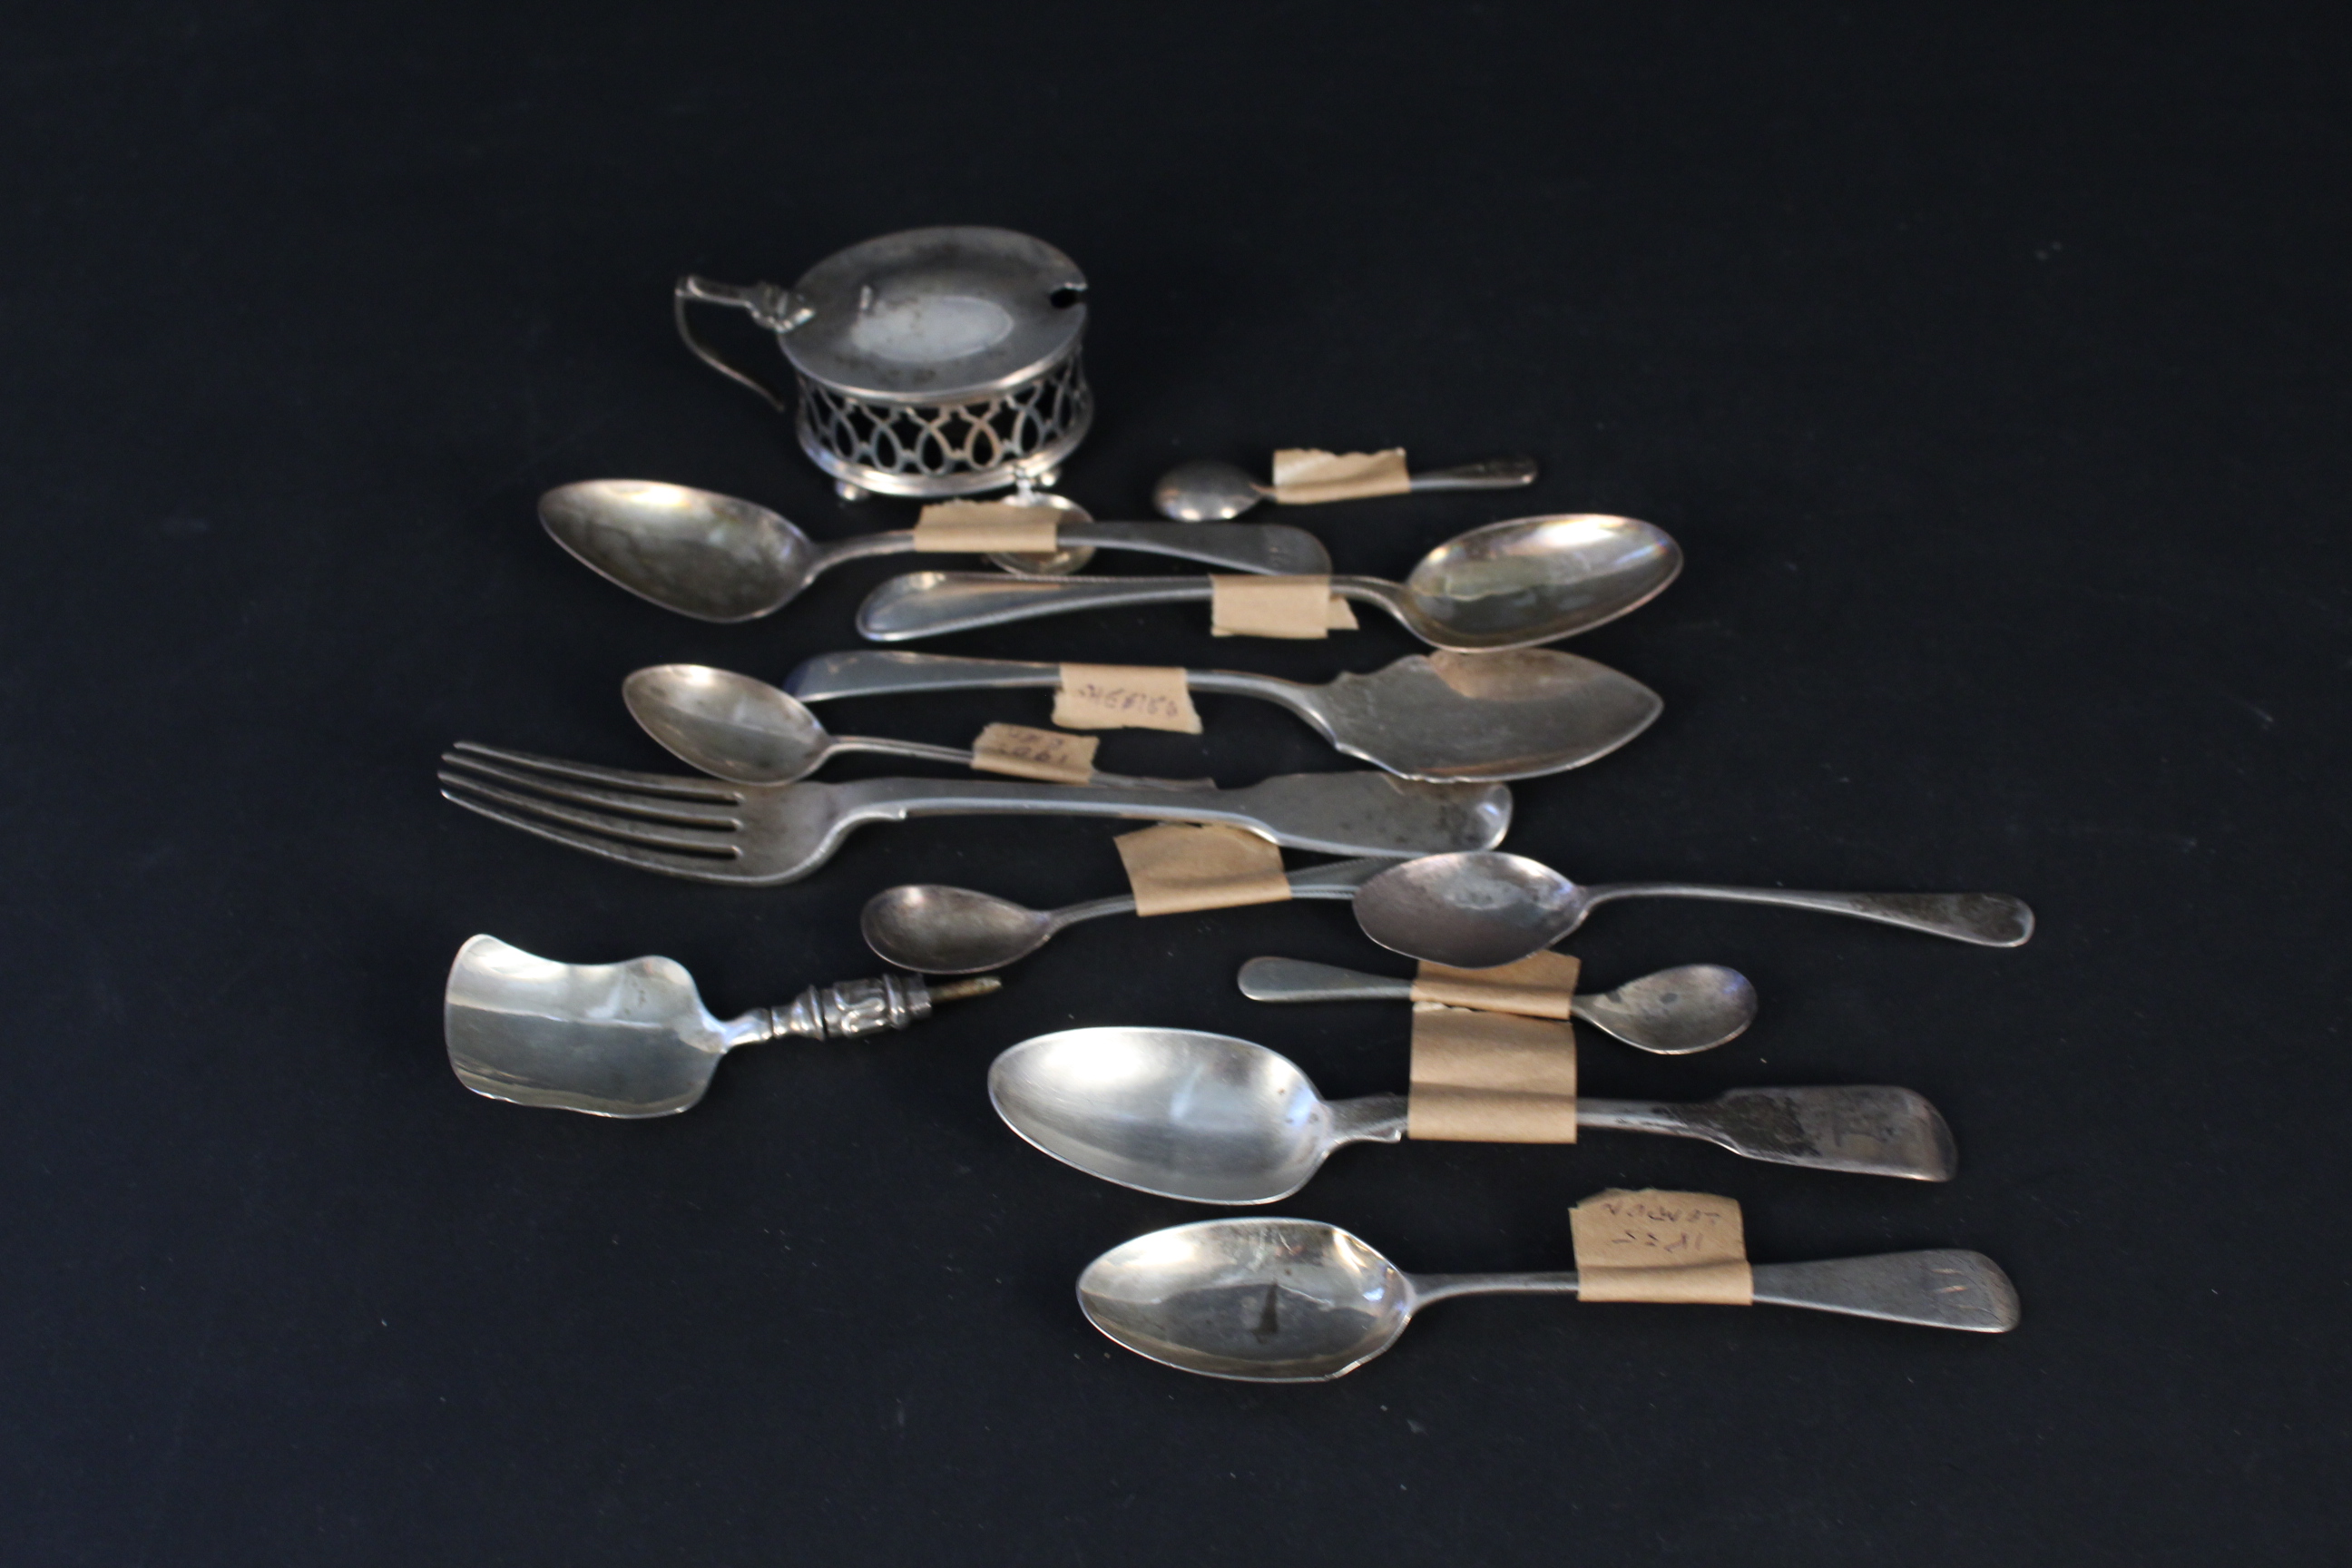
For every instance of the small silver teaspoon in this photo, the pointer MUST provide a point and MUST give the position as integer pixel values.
(1208, 489)
(1297, 1301)
(1478, 910)
(1673, 1013)
(733, 727)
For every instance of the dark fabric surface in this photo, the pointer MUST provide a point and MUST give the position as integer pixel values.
(1989, 367)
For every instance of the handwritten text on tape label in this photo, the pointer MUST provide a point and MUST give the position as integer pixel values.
(1125, 697)
(1656, 1245)
(1029, 753)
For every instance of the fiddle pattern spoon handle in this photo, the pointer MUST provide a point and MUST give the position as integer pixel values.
(1940, 1290)
(1987, 920)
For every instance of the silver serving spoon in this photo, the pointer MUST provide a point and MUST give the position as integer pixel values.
(1673, 1013)
(1215, 1119)
(1208, 489)
(733, 727)
(1478, 910)
(1508, 584)
(720, 559)
(1297, 1301)
(1443, 717)
(935, 930)
(634, 1039)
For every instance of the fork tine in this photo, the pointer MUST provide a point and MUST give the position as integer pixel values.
(556, 788)
(694, 868)
(626, 829)
(683, 785)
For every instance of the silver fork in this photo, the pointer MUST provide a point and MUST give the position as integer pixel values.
(762, 834)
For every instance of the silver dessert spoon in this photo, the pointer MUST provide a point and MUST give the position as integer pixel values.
(717, 558)
(634, 1039)
(1297, 1301)
(1477, 910)
(1442, 717)
(1215, 1119)
(733, 727)
(1508, 584)
(1673, 1013)
(1208, 489)
(935, 930)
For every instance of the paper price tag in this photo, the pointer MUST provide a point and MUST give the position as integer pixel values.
(1294, 607)
(1491, 1077)
(1176, 867)
(1657, 1245)
(977, 527)
(1540, 987)
(1029, 753)
(1304, 476)
(1124, 697)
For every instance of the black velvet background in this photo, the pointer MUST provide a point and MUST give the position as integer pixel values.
(1989, 366)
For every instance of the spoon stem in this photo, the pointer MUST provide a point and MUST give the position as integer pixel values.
(1987, 920)
(1428, 1287)
(1494, 474)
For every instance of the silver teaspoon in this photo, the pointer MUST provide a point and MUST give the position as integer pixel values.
(1478, 910)
(935, 930)
(733, 727)
(1508, 584)
(1215, 1119)
(1442, 717)
(717, 558)
(1297, 1301)
(1673, 1013)
(634, 1039)
(1207, 490)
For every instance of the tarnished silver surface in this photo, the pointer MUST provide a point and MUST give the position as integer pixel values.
(733, 727)
(1506, 585)
(708, 830)
(1215, 1119)
(1475, 910)
(1295, 1300)
(634, 1039)
(717, 558)
(1445, 717)
(1207, 490)
(940, 929)
(1673, 1013)
(933, 362)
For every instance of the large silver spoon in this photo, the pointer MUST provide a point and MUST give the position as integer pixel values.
(1478, 910)
(1443, 717)
(1208, 489)
(1297, 1300)
(935, 930)
(1215, 1119)
(634, 1039)
(733, 727)
(1508, 584)
(720, 559)
(1673, 1013)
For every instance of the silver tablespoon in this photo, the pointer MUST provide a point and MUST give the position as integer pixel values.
(717, 558)
(1208, 489)
(1482, 909)
(935, 930)
(1673, 1013)
(733, 727)
(1443, 717)
(634, 1039)
(1509, 584)
(1297, 1300)
(1215, 1120)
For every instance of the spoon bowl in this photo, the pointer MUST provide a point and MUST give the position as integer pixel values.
(1675, 1012)
(714, 557)
(1205, 490)
(1518, 583)
(936, 929)
(728, 725)
(1267, 1301)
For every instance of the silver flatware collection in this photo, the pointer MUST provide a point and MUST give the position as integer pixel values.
(944, 364)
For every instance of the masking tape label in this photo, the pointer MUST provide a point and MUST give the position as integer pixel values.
(1304, 476)
(1657, 1245)
(1540, 987)
(1491, 1077)
(1294, 607)
(1177, 866)
(977, 527)
(1125, 697)
(1029, 753)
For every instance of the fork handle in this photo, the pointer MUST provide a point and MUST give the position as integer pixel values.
(1358, 814)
